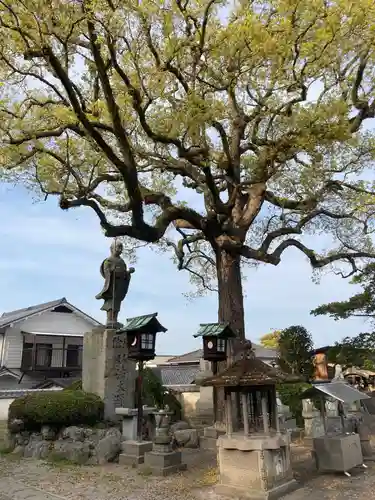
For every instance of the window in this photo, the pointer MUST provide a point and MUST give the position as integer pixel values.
(44, 355)
(147, 341)
(73, 356)
(27, 356)
(220, 345)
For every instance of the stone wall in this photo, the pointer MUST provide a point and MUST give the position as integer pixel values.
(82, 445)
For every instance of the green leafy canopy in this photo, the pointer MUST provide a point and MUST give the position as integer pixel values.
(256, 108)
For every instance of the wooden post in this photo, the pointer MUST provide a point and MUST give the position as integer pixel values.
(64, 354)
(228, 410)
(33, 353)
(265, 416)
(323, 413)
(245, 413)
(139, 402)
(275, 410)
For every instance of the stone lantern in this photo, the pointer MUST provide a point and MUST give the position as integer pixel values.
(215, 337)
(141, 336)
(254, 460)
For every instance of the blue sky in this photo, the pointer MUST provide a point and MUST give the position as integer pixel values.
(46, 254)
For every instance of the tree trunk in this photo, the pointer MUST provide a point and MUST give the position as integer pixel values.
(229, 280)
(231, 310)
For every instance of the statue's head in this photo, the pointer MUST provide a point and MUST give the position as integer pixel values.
(116, 248)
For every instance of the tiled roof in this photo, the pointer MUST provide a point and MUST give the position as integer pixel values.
(12, 394)
(215, 329)
(189, 357)
(249, 371)
(62, 382)
(17, 315)
(176, 375)
(195, 356)
(142, 321)
(264, 352)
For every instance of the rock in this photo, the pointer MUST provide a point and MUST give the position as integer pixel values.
(48, 434)
(73, 433)
(74, 451)
(109, 447)
(21, 438)
(187, 438)
(16, 425)
(181, 425)
(37, 448)
(18, 450)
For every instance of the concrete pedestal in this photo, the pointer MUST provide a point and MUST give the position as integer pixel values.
(133, 452)
(162, 461)
(107, 371)
(364, 436)
(255, 467)
(129, 421)
(337, 453)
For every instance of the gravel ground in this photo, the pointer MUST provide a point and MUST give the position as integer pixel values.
(114, 482)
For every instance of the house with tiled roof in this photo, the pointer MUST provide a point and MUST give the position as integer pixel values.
(41, 342)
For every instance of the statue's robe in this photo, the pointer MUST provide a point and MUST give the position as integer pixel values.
(116, 283)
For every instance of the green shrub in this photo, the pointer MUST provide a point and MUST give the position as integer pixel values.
(57, 409)
(75, 386)
(155, 394)
(290, 395)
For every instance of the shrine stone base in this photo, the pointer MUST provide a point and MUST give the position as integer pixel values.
(256, 467)
(107, 371)
(163, 462)
(133, 452)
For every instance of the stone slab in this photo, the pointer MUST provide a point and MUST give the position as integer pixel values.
(162, 460)
(166, 471)
(14, 490)
(133, 452)
(275, 493)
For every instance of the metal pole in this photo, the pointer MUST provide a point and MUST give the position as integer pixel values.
(214, 393)
(139, 402)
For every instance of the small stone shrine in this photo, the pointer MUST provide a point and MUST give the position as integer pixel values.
(162, 460)
(254, 459)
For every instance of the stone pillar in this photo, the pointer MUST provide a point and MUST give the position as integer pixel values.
(314, 425)
(107, 371)
(205, 404)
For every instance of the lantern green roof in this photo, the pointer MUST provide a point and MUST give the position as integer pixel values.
(147, 322)
(222, 330)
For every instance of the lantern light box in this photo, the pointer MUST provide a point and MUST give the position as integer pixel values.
(215, 339)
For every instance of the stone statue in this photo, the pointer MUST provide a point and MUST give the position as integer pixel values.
(116, 283)
(338, 373)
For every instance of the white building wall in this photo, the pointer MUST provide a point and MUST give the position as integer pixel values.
(53, 322)
(64, 324)
(4, 408)
(13, 348)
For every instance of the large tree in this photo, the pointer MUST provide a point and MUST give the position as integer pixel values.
(255, 107)
(295, 346)
(359, 305)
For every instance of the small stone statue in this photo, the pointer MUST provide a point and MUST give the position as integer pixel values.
(338, 373)
(116, 283)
